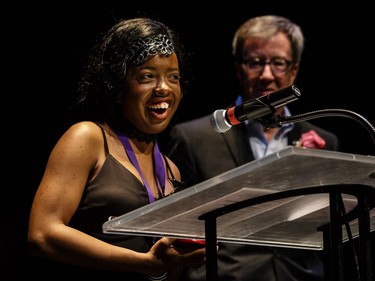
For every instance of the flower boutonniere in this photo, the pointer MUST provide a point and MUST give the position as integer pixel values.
(310, 139)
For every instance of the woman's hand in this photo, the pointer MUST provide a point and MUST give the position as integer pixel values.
(169, 258)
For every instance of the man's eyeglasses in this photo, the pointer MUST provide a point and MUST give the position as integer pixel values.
(279, 66)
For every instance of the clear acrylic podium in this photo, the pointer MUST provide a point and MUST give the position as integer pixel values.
(295, 198)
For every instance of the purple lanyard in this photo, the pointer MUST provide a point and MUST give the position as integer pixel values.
(159, 166)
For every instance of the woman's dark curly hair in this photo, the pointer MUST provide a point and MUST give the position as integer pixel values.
(101, 87)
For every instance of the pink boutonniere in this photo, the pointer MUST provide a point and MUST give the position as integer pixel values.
(311, 139)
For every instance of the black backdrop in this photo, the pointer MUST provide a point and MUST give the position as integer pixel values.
(46, 46)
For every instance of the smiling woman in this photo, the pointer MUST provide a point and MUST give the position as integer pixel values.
(110, 163)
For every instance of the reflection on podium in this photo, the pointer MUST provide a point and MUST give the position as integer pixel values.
(295, 198)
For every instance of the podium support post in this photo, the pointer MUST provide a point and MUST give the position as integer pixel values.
(364, 229)
(336, 248)
(211, 249)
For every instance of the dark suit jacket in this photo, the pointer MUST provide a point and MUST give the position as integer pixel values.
(201, 153)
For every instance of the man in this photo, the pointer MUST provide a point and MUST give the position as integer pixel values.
(267, 52)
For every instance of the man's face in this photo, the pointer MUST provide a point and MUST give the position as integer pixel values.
(267, 66)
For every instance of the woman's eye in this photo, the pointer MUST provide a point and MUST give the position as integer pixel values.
(175, 78)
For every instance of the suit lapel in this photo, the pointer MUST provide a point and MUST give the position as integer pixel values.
(295, 134)
(237, 142)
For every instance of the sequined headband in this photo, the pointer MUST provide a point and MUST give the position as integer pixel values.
(142, 49)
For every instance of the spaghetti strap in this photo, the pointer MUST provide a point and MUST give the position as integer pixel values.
(105, 139)
(176, 184)
(168, 168)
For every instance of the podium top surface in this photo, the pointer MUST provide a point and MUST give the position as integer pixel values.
(291, 222)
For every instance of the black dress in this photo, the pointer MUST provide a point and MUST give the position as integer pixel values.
(113, 192)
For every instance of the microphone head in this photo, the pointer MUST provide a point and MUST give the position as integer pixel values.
(218, 121)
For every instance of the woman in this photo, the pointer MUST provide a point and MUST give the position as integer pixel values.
(110, 164)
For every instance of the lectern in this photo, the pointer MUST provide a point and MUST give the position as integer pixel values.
(295, 198)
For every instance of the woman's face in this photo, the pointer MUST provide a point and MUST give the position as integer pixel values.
(152, 93)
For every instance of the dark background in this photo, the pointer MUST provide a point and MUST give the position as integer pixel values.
(44, 47)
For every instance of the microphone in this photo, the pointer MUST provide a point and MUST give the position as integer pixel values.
(222, 120)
